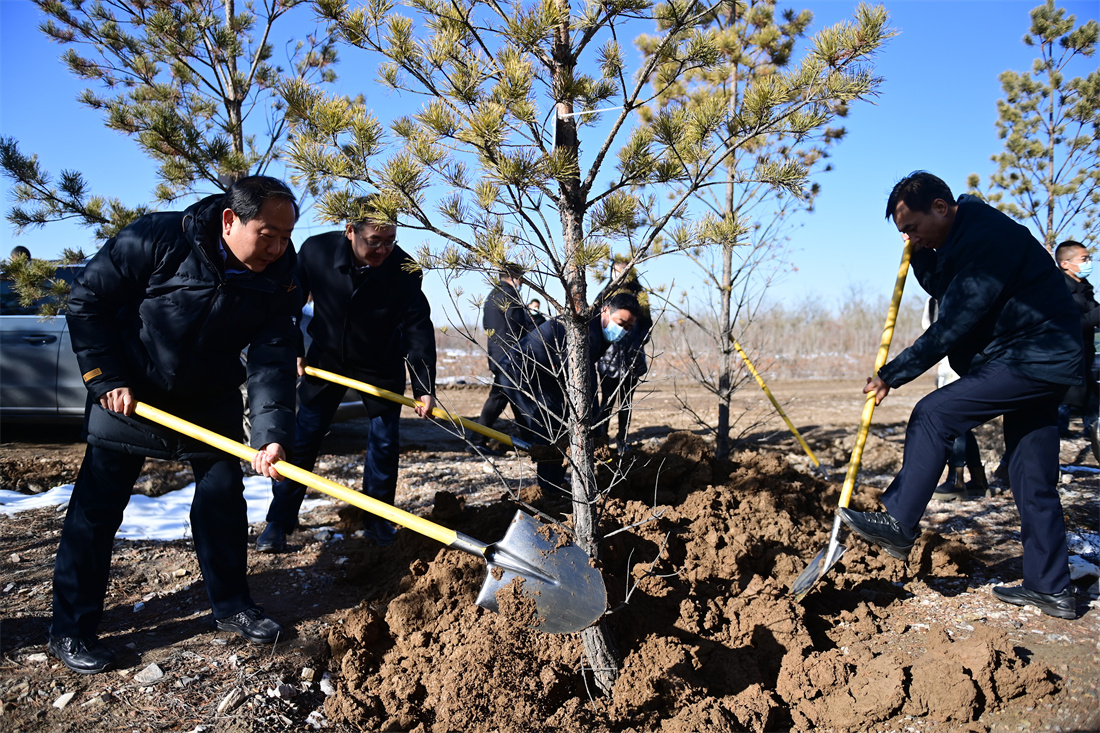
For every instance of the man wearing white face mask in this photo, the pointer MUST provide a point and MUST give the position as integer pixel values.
(533, 377)
(1074, 260)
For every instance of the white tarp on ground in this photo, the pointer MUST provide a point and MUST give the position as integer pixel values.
(154, 518)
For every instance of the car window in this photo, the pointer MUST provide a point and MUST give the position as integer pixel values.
(9, 298)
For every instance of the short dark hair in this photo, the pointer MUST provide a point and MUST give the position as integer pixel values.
(20, 250)
(918, 190)
(511, 270)
(624, 301)
(1063, 251)
(247, 196)
(369, 211)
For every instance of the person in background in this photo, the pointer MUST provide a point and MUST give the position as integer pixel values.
(534, 378)
(1010, 328)
(20, 251)
(506, 321)
(534, 309)
(964, 454)
(161, 314)
(1075, 262)
(370, 321)
(623, 364)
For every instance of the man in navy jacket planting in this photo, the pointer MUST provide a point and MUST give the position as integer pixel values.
(370, 322)
(161, 314)
(1012, 332)
(534, 379)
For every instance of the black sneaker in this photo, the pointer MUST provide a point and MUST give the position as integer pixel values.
(83, 654)
(1062, 605)
(252, 624)
(879, 528)
(950, 491)
(272, 539)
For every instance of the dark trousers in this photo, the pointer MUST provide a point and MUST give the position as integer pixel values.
(380, 462)
(493, 407)
(1030, 410)
(540, 423)
(219, 521)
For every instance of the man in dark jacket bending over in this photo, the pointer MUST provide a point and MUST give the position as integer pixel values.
(370, 321)
(1011, 330)
(1076, 264)
(534, 378)
(161, 314)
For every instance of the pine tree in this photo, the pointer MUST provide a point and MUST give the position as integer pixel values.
(192, 81)
(763, 180)
(510, 93)
(1048, 174)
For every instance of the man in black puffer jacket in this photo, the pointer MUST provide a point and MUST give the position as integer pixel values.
(1011, 331)
(161, 314)
(370, 321)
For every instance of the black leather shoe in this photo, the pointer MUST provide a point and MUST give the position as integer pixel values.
(83, 654)
(252, 624)
(1062, 605)
(879, 528)
(272, 539)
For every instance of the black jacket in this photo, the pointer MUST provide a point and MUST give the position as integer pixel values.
(1001, 299)
(533, 371)
(155, 311)
(506, 321)
(367, 322)
(1083, 296)
(625, 359)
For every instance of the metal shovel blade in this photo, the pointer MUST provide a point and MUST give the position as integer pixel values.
(538, 578)
(820, 565)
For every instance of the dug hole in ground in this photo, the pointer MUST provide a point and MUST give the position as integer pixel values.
(391, 639)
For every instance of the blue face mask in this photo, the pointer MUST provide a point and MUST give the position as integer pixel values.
(612, 332)
(1084, 269)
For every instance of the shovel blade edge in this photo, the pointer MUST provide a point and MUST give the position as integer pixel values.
(541, 581)
(820, 565)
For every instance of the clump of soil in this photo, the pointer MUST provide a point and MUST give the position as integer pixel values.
(711, 639)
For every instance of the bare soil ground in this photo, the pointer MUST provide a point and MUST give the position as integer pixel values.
(391, 639)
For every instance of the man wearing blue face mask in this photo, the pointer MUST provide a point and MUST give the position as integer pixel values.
(1074, 260)
(533, 376)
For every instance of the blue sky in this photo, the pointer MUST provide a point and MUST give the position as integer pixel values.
(936, 110)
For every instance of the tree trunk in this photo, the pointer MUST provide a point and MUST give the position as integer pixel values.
(725, 342)
(599, 646)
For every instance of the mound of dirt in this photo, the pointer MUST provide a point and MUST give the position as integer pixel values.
(700, 610)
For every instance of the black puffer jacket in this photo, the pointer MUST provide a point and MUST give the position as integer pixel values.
(506, 320)
(1002, 299)
(1084, 297)
(367, 323)
(154, 311)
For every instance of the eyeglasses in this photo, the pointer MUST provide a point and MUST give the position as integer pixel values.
(1086, 258)
(380, 243)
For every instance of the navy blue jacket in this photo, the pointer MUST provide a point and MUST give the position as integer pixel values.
(155, 311)
(368, 323)
(535, 367)
(1001, 299)
(506, 321)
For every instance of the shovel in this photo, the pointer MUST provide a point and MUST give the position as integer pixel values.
(775, 404)
(409, 402)
(545, 582)
(829, 554)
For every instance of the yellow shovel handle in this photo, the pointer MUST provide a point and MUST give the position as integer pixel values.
(775, 403)
(312, 480)
(880, 361)
(409, 402)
